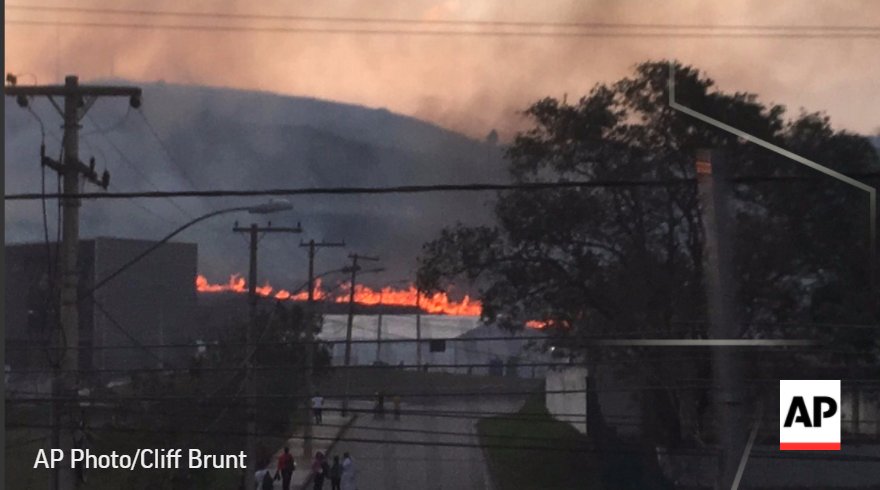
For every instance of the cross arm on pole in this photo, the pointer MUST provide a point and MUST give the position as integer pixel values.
(81, 90)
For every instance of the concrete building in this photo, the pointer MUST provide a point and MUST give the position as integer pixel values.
(154, 302)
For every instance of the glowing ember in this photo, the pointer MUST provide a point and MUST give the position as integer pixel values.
(537, 324)
(439, 303)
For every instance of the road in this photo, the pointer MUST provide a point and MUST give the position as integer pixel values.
(395, 465)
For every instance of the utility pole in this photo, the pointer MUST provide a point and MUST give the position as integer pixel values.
(254, 231)
(310, 340)
(354, 270)
(729, 403)
(78, 99)
(418, 329)
(379, 328)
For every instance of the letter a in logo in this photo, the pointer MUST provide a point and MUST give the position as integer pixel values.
(801, 429)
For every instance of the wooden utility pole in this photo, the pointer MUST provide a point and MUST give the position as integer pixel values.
(78, 99)
(354, 270)
(310, 341)
(254, 231)
(729, 403)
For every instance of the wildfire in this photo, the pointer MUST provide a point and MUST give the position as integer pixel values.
(236, 284)
(439, 303)
(435, 303)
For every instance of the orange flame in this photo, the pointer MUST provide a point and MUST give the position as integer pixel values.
(236, 284)
(537, 324)
(435, 303)
(439, 303)
(542, 324)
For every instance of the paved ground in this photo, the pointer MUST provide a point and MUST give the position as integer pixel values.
(391, 464)
(324, 438)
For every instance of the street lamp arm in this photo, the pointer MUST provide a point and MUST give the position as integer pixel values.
(134, 260)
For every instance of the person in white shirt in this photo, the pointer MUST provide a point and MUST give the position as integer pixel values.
(317, 407)
(348, 473)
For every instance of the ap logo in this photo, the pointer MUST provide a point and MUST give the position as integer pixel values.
(809, 415)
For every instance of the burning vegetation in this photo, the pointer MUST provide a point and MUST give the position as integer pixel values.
(437, 303)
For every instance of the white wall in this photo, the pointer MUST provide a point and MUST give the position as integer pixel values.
(568, 407)
(461, 347)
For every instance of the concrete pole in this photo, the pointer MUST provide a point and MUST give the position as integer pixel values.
(379, 329)
(348, 328)
(418, 329)
(65, 382)
(310, 354)
(351, 305)
(310, 341)
(729, 402)
(250, 414)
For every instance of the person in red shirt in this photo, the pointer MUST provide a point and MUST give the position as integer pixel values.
(286, 465)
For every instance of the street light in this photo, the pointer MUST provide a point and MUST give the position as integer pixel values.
(273, 206)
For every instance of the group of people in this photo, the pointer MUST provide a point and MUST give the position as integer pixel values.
(340, 473)
(379, 410)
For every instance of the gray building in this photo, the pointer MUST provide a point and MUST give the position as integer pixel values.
(153, 302)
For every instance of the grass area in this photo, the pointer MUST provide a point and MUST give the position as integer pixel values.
(529, 464)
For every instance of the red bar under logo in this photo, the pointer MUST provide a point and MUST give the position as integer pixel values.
(809, 446)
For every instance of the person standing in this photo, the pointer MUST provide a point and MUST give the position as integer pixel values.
(347, 482)
(263, 479)
(318, 407)
(286, 465)
(335, 474)
(396, 401)
(320, 470)
(380, 405)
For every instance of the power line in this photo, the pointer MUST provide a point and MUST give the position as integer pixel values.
(555, 448)
(127, 161)
(585, 25)
(166, 151)
(237, 400)
(109, 129)
(123, 330)
(406, 189)
(856, 34)
(417, 189)
(561, 340)
(583, 447)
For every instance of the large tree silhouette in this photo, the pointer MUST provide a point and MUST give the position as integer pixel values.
(626, 260)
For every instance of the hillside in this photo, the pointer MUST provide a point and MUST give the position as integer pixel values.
(217, 138)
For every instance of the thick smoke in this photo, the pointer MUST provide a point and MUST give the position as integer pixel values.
(247, 140)
(470, 84)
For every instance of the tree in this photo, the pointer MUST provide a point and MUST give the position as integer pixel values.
(626, 260)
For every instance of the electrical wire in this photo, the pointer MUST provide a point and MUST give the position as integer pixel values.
(417, 189)
(586, 447)
(109, 129)
(586, 25)
(166, 151)
(578, 341)
(127, 161)
(51, 262)
(500, 33)
(125, 332)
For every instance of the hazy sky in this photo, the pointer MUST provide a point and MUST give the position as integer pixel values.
(464, 82)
